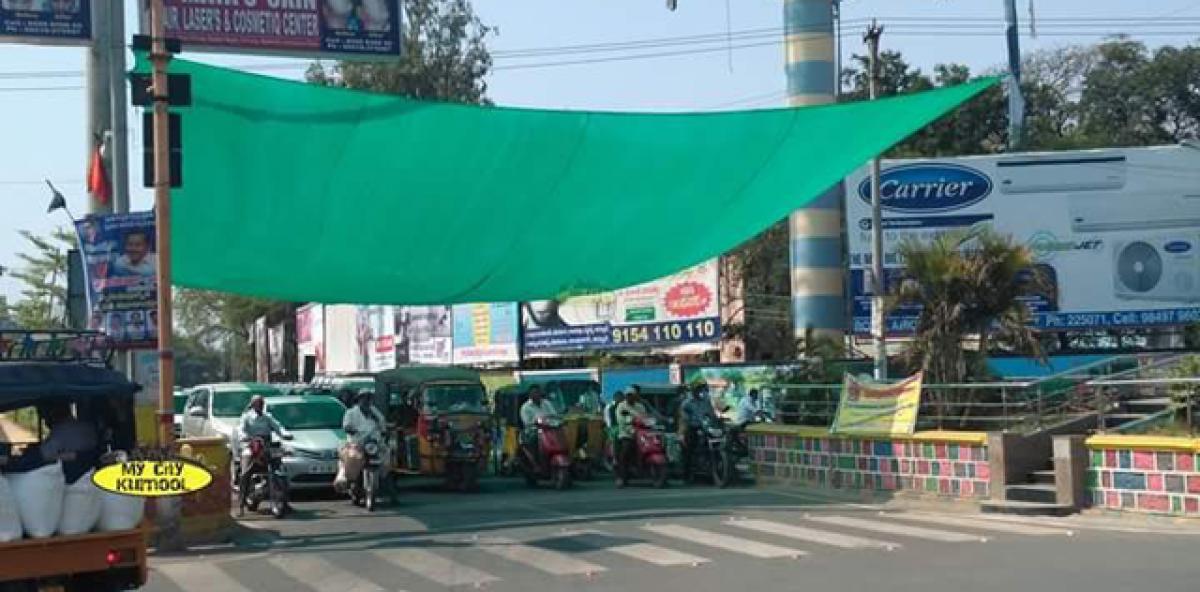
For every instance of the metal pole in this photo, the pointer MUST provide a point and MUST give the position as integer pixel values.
(162, 221)
(878, 328)
(119, 147)
(99, 108)
(1016, 101)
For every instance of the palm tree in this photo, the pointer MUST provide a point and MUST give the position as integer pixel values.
(971, 282)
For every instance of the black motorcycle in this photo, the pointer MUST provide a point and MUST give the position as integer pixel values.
(713, 453)
(264, 479)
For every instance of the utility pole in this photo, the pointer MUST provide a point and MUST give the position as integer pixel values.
(159, 57)
(878, 327)
(1016, 101)
(119, 143)
(100, 107)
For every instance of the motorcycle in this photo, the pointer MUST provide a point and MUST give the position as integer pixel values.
(265, 480)
(550, 460)
(739, 444)
(714, 453)
(650, 456)
(364, 490)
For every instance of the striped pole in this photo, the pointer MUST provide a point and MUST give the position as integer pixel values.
(818, 300)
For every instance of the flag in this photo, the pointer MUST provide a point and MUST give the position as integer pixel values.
(97, 177)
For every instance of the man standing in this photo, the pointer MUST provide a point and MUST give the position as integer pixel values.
(696, 410)
(537, 407)
(628, 411)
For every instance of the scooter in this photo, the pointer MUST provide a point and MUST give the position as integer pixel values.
(714, 453)
(266, 480)
(551, 461)
(650, 457)
(364, 490)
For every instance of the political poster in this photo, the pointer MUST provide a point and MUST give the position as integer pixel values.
(377, 340)
(46, 22)
(485, 333)
(303, 28)
(868, 408)
(120, 269)
(310, 340)
(1112, 231)
(430, 335)
(675, 310)
(275, 347)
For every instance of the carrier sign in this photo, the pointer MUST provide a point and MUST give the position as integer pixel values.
(928, 187)
(153, 478)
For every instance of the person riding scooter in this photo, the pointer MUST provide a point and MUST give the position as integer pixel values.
(696, 410)
(630, 410)
(362, 423)
(537, 407)
(255, 424)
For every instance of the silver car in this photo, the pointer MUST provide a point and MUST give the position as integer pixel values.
(314, 427)
(214, 410)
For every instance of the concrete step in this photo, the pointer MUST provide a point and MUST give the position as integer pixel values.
(1025, 508)
(1042, 477)
(1033, 492)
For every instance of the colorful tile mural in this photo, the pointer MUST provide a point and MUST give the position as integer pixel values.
(941, 468)
(1160, 482)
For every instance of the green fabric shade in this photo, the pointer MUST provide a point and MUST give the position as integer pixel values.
(305, 193)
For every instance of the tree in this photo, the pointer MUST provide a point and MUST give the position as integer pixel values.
(967, 283)
(44, 276)
(444, 57)
(218, 325)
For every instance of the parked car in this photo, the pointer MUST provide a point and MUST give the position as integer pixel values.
(337, 385)
(213, 410)
(180, 403)
(315, 427)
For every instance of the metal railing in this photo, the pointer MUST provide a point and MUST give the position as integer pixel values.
(1137, 392)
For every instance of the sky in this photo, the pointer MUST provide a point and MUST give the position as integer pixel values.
(42, 118)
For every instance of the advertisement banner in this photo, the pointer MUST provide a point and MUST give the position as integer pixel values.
(304, 28)
(376, 339)
(262, 362)
(119, 266)
(275, 349)
(878, 409)
(485, 333)
(1113, 231)
(674, 310)
(728, 384)
(430, 335)
(310, 339)
(46, 22)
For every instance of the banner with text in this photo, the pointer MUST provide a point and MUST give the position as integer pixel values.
(306, 28)
(485, 333)
(119, 266)
(46, 22)
(678, 309)
(430, 334)
(878, 409)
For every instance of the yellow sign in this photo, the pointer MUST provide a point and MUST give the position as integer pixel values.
(153, 478)
(878, 409)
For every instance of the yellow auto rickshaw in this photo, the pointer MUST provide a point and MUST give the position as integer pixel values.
(579, 403)
(440, 422)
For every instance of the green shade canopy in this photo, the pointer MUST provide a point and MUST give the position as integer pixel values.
(305, 193)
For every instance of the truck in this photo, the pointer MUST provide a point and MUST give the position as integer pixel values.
(40, 370)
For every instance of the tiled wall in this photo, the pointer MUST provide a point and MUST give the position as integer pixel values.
(1161, 482)
(937, 468)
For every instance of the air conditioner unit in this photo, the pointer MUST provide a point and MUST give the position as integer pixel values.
(1061, 173)
(1133, 211)
(1165, 267)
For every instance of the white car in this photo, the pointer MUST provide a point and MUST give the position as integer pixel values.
(214, 410)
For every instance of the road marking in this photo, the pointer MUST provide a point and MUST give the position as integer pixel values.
(319, 574)
(545, 560)
(199, 577)
(813, 535)
(945, 536)
(647, 552)
(725, 542)
(1010, 527)
(435, 567)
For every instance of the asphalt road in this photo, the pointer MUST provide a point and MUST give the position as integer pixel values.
(682, 539)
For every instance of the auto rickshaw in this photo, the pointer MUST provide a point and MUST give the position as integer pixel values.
(664, 400)
(583, 422)
(440, 422)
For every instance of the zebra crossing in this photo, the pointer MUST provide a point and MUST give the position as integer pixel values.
(489, 561)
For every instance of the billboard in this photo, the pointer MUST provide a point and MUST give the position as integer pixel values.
(310, 339)
(306, 28)
(872, 409)
(376, 338)
(675, 310)
(47, 22)
(120, 271)
(430, 334)
(1116, 231)
(485, 333)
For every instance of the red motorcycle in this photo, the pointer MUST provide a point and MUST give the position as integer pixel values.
(651, 454)
(551, 461)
